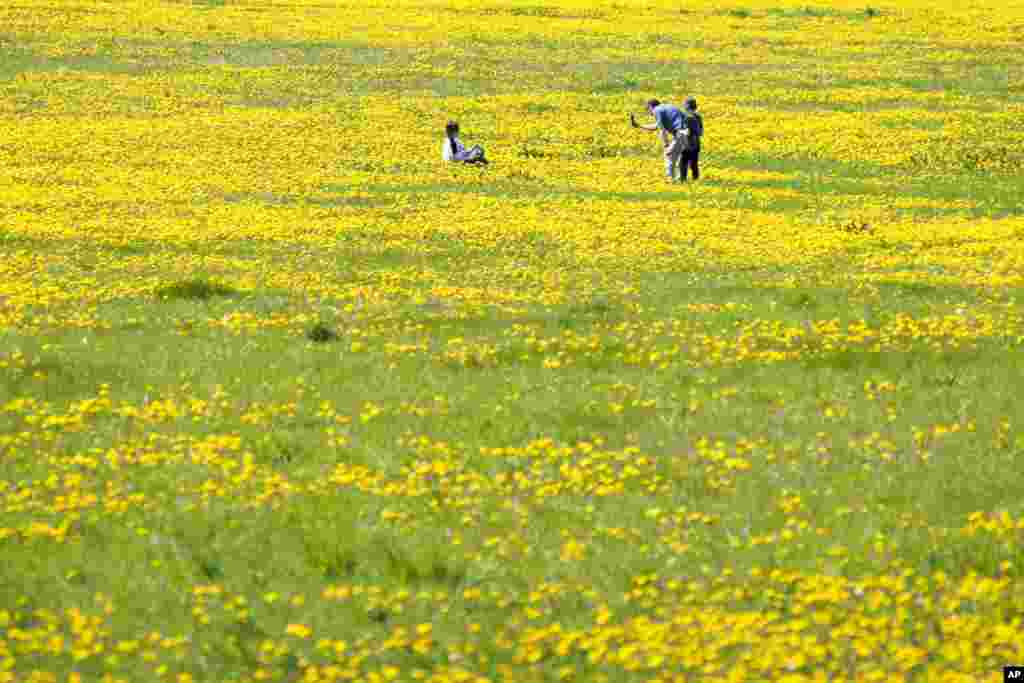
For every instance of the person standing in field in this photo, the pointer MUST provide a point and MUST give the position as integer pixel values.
(693, 131)
(454, 150)
(669, 121)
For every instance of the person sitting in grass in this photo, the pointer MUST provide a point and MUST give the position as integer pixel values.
(454, 150)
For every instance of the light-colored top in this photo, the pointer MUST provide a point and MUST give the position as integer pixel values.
(458, 154)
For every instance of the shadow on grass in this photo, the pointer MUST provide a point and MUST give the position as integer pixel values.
(55, 378)
(925, 362)
(195, 290)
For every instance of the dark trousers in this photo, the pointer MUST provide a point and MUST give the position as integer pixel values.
(689, 161)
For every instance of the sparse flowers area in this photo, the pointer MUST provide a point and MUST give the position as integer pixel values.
(285, 397)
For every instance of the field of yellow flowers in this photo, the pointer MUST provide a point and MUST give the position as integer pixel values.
(283, 397)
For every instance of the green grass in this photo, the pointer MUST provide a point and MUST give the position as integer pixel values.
(175, 344)
(302, 545)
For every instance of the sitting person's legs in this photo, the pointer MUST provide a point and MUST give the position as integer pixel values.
(474, 155)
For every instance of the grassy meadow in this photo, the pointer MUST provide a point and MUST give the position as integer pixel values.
(283, 397)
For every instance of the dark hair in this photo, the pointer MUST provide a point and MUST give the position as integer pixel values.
(452, 127)
(652, 103)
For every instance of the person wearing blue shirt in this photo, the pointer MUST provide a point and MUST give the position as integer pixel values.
(670, 122)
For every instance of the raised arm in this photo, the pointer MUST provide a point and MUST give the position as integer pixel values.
(649, 126)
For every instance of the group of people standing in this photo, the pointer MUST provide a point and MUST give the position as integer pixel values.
(680, 129)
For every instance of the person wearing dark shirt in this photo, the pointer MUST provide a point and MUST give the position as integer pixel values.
(693, 131)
